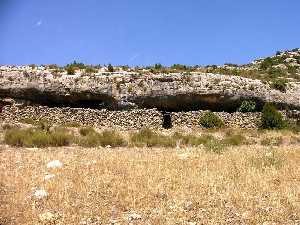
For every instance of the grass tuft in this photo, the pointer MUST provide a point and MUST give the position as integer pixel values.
(234, 140)
(91, 138)
(148, 138)
(272, 141)
(111, 138)
(269, 159)
(84, 131)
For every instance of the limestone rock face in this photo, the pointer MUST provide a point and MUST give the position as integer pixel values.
(174, 92)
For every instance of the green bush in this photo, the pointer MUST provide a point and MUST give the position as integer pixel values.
(293, 126)
(271, 118)
(279, 84)
(210, 120)
(247, 106)
(267, 63)
(70, 70)
(110, 68)
(90, 70)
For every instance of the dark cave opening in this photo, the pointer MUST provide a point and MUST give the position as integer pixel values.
(167, 120)
(194, 102)
(173, 103)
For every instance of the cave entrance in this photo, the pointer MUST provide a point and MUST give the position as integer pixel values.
(167, 120)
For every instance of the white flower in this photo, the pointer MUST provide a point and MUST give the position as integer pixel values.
(54, 164)
(40, 194)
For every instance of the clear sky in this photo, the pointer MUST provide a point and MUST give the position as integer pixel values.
(140, 32)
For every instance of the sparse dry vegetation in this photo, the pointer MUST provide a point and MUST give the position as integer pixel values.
(148, 138)
(244, 185)
(253, 178)
(36, 138)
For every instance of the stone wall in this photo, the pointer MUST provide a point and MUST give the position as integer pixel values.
(120, 120)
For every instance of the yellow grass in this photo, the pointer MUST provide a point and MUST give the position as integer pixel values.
(244, 185)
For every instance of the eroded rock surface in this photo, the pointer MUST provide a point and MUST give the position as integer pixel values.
(174, 92)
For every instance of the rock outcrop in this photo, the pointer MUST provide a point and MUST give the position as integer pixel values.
(173, 92)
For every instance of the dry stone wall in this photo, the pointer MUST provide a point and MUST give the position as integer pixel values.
(120, 120)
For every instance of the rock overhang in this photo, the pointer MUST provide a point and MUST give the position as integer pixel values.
(173, 92)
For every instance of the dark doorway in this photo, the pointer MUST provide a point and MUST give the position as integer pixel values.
(167, 120)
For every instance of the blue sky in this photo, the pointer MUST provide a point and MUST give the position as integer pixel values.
(140, 32)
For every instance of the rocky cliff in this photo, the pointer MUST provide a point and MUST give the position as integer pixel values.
(174, 92)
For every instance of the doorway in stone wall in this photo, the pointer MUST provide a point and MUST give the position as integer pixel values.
(167, 120)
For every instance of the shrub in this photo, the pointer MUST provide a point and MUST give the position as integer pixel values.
(266, 63)
(214, 145)
(192, 140)
(75, 64)
(15, 137)
(293, 126)
(210, 120)
(158, 66)
(247, 106)
(130, 88)
(270, 159)
(84, 131)
(7, 126)
(279, 84)
(90, 70)
(234, 139)
(90, 140)
(112, 139)
(110, 68)
(43, 125)
(70, 70)
(146, 137)
(271, 118)
(272, 141)
(36, 138)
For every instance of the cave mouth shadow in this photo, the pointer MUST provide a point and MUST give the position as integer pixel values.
(166, 120)
(192, 102)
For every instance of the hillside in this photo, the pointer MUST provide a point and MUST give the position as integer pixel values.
(176, 88)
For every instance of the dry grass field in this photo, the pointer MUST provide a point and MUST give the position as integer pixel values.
(244, 184)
